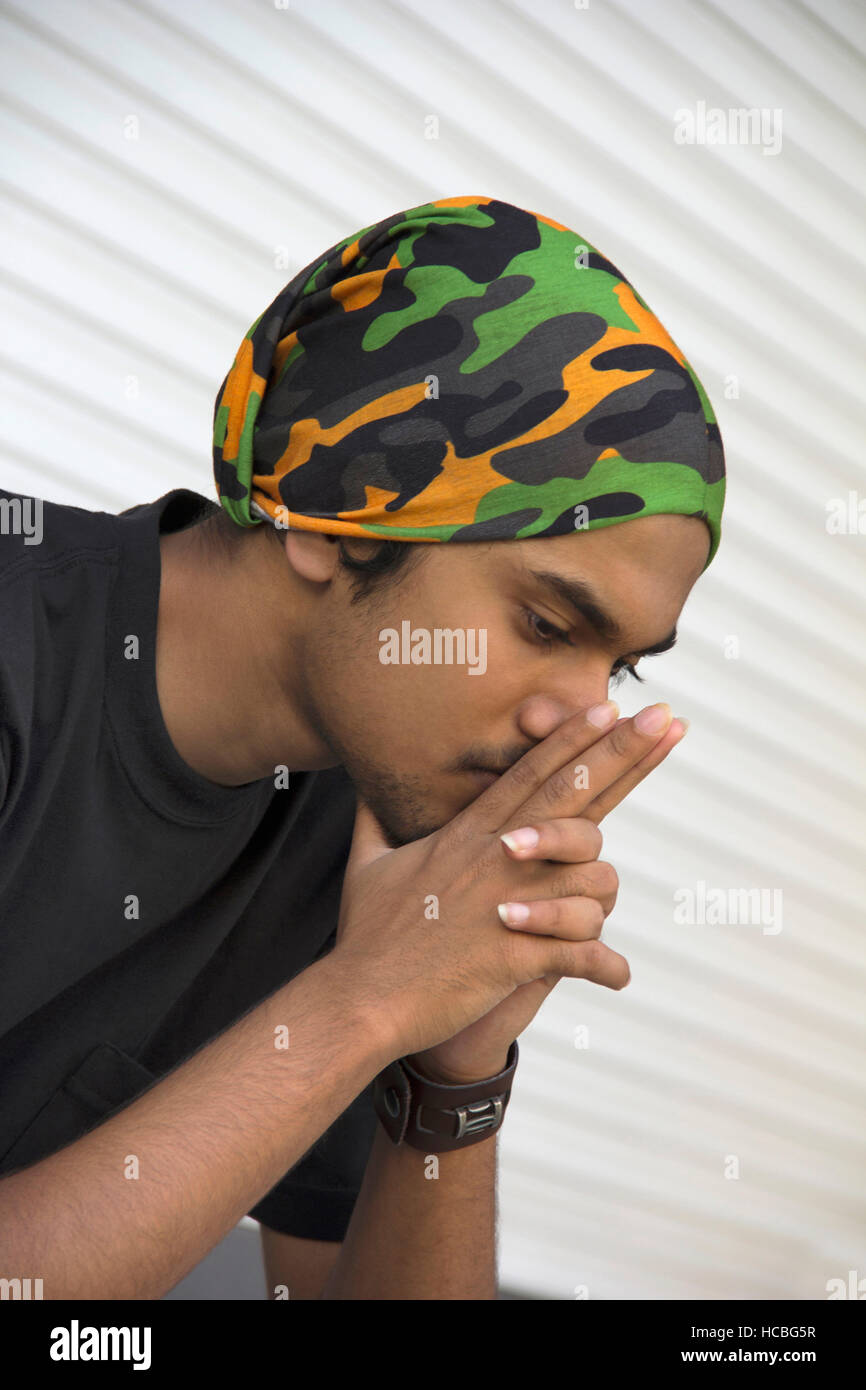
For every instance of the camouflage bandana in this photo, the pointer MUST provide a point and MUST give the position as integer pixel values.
(463, 371)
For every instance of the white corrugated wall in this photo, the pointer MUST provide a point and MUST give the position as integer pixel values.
(166, 169)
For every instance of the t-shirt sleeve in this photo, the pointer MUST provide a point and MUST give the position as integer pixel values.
(316, 1198)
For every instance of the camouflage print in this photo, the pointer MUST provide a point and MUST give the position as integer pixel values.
(463, 371)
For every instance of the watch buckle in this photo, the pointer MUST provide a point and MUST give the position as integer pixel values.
(472, 1118)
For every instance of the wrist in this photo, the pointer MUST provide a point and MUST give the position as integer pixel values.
(474, 1071)
(441, 1116)
(365, 1019)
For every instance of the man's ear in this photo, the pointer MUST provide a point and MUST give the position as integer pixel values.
(313, 555)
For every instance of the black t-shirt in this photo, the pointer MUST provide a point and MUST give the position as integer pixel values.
(143, 908)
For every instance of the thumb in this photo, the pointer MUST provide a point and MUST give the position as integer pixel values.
(368, 839)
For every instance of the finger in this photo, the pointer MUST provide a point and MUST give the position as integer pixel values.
(574, 785)
(588, 960)
(570, 919)
(595, 879)
(599, 807)
(495, 808)
(570, 840)
(597, 962)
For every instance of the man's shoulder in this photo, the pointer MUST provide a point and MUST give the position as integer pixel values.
(36, 534)
(55, 560)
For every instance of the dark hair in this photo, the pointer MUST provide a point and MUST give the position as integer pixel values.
(388, 560)
(217, 531)
(385, 564)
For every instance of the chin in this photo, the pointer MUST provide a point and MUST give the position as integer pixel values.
(409, 806)
(405, 820)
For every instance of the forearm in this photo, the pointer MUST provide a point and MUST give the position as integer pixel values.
(415, 1235)
(207, 1142)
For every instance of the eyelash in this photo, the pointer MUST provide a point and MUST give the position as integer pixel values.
(560, 635)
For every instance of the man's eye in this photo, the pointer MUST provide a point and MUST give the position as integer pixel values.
(547, 634)
(552, 634)
(618, 671)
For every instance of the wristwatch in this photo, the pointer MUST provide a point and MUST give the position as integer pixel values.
(436, 1117)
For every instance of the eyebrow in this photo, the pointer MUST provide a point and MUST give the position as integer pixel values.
(582, 598)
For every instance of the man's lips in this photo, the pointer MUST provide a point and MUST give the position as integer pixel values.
(484, 775)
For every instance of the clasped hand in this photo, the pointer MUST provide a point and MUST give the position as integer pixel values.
(565, 890)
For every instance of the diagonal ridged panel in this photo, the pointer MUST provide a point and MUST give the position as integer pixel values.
(262, 135)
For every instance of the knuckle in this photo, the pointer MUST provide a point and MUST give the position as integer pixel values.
(565, 961)
(554, 838)
(579, 836)
(593, 956)
(524, 774)
(619, 739)
(594, 837)
(572, 882)
(552, 915)
(519, 956)
(510, 946)
(556, 789)
(583, 883)
(454, 836)
(593, 916)
(483, 863)
(609, 877)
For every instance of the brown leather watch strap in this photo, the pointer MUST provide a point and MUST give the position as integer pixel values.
(436, 1117)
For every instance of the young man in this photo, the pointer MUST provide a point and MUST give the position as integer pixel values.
(256, 762)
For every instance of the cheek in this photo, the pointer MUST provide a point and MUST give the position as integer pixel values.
(415, 680)
(484, 671)
(429, 710)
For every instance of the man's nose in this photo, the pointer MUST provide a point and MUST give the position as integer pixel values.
(541, 714)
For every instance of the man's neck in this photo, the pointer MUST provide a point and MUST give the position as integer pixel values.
(232, 712)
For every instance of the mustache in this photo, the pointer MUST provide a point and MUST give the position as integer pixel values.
(483, 760)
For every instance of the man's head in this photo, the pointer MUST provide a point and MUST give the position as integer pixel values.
(411, 732)
(462, 429)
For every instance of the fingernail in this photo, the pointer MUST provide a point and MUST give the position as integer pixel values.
(602, 715)
(653, 719)
(513, 914)
(525, 838)
(685, 723)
